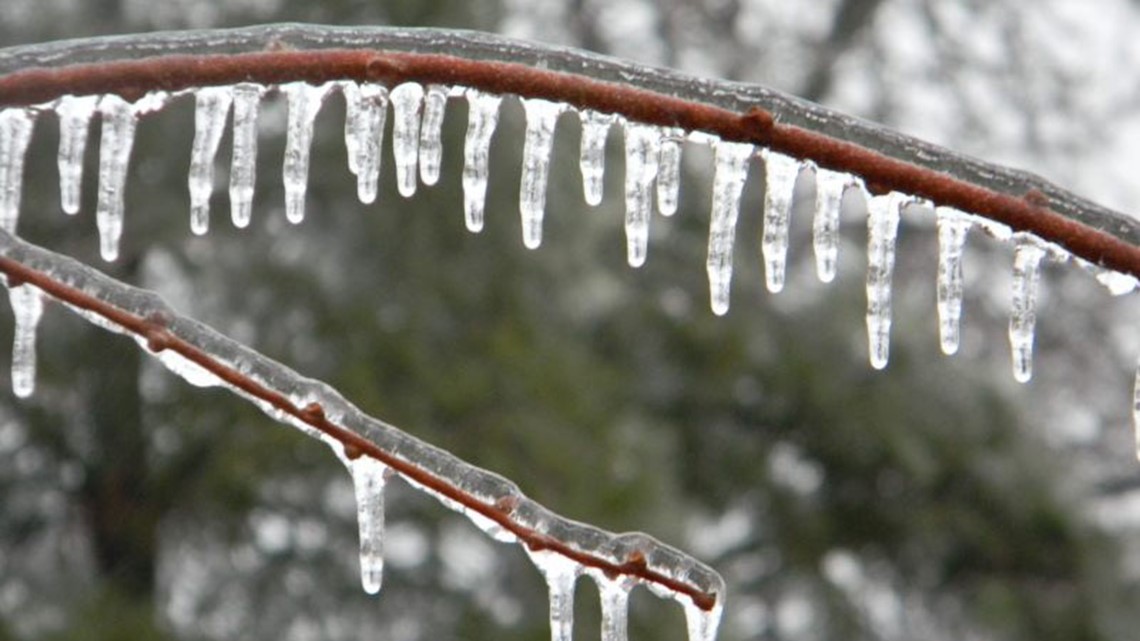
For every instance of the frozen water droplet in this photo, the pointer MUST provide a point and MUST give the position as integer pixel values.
(15, 133)
(27, 307)
(243, 172)
(1023, 313)
(74, 120)
(407, 101)
(882, 232)
(560, 574)
(642, 147)
(304, 102)
(669, 171)
(482, 118)
(780, 184)
(431, 148)
(211, 108)
(829, 188)
(366, 108)
(1117, 283)
(592, 156)
(541, 117)
(614, 595)
(368, 477)
(702, 624)
(117, 137)
(952, 229)
(731, 169)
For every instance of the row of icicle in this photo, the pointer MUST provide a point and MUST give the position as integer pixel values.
(652, 174)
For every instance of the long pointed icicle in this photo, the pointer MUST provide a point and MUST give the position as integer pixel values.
(882, 232)
(614, 596)
(1136, 409)
(1023, 313)
(27, 307)
(482, 118)
(731, 169)
(243, 171)
(304, 102)
(642, 146)
(211, 108)
(702, 624)
(431, 147)
(541, 117)
(74, 121)
(117, 137)
(829, 188)
(780, 184)
(953, 227)
(368, 477)
(592, 155)
(407, 102)
(560, 573)
(15, 132)
(669, 171)
(366, 108)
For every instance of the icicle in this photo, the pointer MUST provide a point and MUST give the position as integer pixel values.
(482, 118)
(541, 117)
(27, 307)
(560, 574)
(780, 184)
(1023, 313)
(116, 139)
(243, 172)
(669, 172)
(702, 624)
(952, 230)
(614, 595)
(1136, 410)
(829, 188)
(882, 231)
(431, 149)
(366, 108)
(15, 133)
(74, 120)
(731, 169)
(304, 103)
(407, 100)
(592, 158)
(642, 147)
(211, 108)
(368, 477)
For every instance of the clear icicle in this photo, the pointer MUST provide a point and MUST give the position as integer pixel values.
(482, 118)
(560, 573)
(211, 108)
(829, 188)
(243, 172)
(731, 169)
(368, 477)
(407, 100)
(642, 147)
(117, 137)
(27, 307)
(1023, 313)
(780, 184)
(15, 133)
(592, 158)
(882, 232)
(614, 595)
(366, 108)
(304, 103)
(541, 117)
(669, 172)
(702, 624)
(1136, 409)
(431, 148)
(952, 229)
(74, 120)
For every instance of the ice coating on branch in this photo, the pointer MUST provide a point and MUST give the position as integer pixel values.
(642, 146)
(482, 118)
(614, 596)
(1023, 311)
(15, 133)
(74, 120)
(1117, 283)
(669, 171)
(211, 108)
(116, 139)
(541, 117)
(560, 573)
(780, 173)
(592, 155)
(368, 478)
(27, 307)
(407, 101)
(304, 102)
(953, 226)
(431, 148)
(243, 171)
(730, 171)
(366, 108)
(882, 232)
(829, 188)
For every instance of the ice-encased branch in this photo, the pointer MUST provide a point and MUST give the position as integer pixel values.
(204, 357)
(885, 159)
